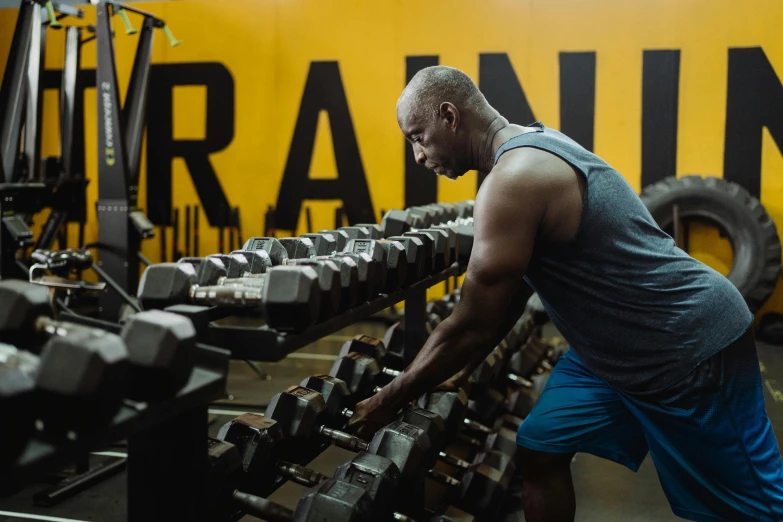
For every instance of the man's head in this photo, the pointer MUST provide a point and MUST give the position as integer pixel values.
(438, 112)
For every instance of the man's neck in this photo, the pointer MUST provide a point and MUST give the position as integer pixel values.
(485, 146)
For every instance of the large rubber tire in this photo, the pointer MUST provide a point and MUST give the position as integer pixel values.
(738, 215)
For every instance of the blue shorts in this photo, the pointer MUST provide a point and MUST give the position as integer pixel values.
(709, 436)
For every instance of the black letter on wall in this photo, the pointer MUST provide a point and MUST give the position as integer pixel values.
(162, 148)
(577, 97)
(754, 100)
(501, 88)
(660, 102)
(324, 91)
(421, 185)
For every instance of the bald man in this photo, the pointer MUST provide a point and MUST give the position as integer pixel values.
(662, 356)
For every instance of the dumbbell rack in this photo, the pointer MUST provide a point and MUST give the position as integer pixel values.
(260, 343)
(167, 473)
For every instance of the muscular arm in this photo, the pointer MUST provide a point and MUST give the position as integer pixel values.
(508, 212)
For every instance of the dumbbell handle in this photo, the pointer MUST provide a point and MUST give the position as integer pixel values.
(344, 440)
(300, 474)
(477, 426)
(250, 280)
(443, 478)
(237, 296)
(454, 461)
(519, 381)
(470, 440)
(50, 326)
(450, 459)
(390, 372)
(262, 508)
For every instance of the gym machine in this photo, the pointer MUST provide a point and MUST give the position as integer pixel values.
(121, 224)
(21, 191)
(66, 174)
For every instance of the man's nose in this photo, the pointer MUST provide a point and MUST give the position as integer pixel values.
(420, 157)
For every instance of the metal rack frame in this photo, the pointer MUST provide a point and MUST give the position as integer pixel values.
(261, 343)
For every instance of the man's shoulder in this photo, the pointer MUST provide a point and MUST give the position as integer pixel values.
(529, 169)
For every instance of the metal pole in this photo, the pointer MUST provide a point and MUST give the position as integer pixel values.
(13, 90)
(34, 111)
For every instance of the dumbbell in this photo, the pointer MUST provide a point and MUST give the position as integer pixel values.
(356, 232)
(80, 380)
(340, 236)
(290, 251)
(259, 440)
(161, 348)
(394, 337)
(272, 246)
(390, 255)
(480, 487)
(335, 393)
(375, 230)
(225, 500)
(361, 376)
(427, 241)
(452, 407)
(336, 397)
(235, 270)
(379, 260)
(380, 477)
(301, 251)
(329, 501)
(298, 247)
(368, 286)
(324, 243)
(530, 358)
(375, 348)
(329, 283)
(300, 413)
(415, 252)
(159, 345)
(256, 437)
(17, 378)
(440, 246)
(289, 298)
(234, 265)
(397, 222)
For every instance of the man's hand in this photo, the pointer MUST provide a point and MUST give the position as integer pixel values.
(369, 417)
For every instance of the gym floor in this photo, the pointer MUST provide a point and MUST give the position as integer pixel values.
(606, 492)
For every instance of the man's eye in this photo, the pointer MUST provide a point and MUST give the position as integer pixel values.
(415, 139)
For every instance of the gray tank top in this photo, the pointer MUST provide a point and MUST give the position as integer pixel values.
(638, 311)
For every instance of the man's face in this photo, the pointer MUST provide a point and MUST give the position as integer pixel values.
(435, 142)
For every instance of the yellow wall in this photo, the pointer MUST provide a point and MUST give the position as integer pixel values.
(268, 47)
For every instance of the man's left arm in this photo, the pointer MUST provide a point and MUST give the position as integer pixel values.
(507, 215)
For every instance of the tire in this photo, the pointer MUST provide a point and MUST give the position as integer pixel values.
(739, 216)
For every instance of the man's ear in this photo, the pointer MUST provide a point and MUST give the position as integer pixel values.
(449, 114)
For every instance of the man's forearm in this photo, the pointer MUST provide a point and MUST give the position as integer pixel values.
(450, 349)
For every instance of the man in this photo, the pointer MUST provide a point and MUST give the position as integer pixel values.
(662, 353)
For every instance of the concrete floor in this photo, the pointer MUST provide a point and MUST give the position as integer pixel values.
(606, 492)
